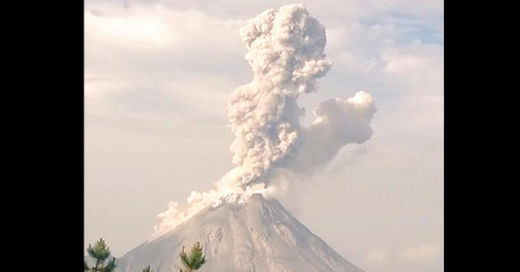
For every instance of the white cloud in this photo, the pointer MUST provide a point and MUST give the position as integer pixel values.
(156, 27)
(129, 28)
(178, 60)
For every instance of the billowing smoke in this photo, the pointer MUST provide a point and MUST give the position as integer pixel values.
(286, 54)
(285, 51)
(337, 123)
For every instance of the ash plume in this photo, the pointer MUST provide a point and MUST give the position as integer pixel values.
(286, 54)
(337, 122)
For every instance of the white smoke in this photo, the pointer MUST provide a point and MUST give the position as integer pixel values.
(338, 122)
(285, 51)
(286, 54)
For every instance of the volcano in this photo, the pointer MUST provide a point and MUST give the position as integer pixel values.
(257, 236)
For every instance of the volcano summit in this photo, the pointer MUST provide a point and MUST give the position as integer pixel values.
(259, 235)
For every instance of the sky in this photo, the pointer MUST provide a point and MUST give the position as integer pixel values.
(158, 76)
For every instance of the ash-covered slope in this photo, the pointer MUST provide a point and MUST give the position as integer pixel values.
(258, 236)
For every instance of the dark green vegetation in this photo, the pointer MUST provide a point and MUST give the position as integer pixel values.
(194, 260)
(147, 269)
(101, 252)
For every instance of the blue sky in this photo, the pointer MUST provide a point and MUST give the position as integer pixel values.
(158, 75)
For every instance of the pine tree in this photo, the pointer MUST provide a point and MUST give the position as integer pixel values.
(147, 269)
(100, 251)
(194, 260)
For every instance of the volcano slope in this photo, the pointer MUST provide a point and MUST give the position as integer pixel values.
(259, 235)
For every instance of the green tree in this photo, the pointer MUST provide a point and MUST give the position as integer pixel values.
(100, 252)
(194, 260)
(147, 269)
